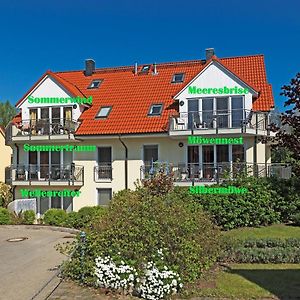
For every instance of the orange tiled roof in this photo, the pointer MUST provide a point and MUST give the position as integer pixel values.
(132, 95)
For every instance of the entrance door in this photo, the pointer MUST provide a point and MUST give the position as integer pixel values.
(193, 114)
(208, 162)
(193, 161)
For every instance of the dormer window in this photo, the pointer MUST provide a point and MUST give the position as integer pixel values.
(145, 68)
(103, 112)
(95, 84)
(155, 110)
(178, 78)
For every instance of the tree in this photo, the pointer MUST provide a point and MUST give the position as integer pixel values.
(7, 112)
(287, 137)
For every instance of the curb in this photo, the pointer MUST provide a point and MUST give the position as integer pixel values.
(43, 227)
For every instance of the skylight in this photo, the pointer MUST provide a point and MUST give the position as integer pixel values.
(103, 112)
(178, 78)
(95, 83)
(155, 110)
(145, 68)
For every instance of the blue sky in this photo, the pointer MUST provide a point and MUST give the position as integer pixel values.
(59, 35)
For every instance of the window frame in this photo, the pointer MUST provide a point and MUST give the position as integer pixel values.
(145, 71)
(110, 196)
(156, 114)
(108, 113)
(94, 80)
(175, 81)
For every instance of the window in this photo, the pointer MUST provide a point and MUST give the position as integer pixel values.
(145, 69)
(155, 110)
(104, 170)
(95, 84)
(238, 154)
(178, 78)
(104, 196)
(104, 112)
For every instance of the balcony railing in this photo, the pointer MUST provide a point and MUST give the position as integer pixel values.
(103, 171)
(52, 173)
(242, 119)
(210, 172)
(40, 127)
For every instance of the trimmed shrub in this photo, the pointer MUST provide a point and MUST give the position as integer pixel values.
(88, 215)
(71, 220)
(5, 217)
(138, 224)
(28, 217)
(263, 251)
(55, 217)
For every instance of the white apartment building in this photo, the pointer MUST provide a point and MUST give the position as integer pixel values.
(140, 119)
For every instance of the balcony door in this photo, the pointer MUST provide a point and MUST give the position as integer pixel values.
(222, 112)
(208, 162)
(44, 122)
(237, 111)
(207, 112)
(33, 167)
(104, 163)
(55, 120)
(56, 170)
(193, 161)
(193, 113)
(44, 165)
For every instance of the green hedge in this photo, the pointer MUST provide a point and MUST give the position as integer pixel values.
(55, 217)
(262, 251)
(28, 217)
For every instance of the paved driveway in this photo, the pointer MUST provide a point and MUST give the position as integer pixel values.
(27, 266)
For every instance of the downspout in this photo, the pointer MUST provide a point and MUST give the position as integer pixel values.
(126, 162)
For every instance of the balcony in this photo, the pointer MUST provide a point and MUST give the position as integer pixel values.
(41, 129)
(103, 172)
(217, 122)
(213, 173)
(59, 175)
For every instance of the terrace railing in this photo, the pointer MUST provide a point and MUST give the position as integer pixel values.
(210, 172)
(41, 127)
(103, 171)
(52, 173)
(242, 119)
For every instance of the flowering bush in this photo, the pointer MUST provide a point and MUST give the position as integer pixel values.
(157, 284)
(155, 281)
(112, 276)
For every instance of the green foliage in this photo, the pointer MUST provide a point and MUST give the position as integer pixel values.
(296, 219)
(28, 217)
(55, 217)
(7, 112)
(5, 193)
(138, 224)
(159, 184)
(71, 220)
(287, 201)
(88, 215)
(241, 210)
(5, 217)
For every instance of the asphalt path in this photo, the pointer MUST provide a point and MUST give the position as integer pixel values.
(28, 268)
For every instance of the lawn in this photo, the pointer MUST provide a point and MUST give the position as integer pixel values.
(274, 231)
(251, 281)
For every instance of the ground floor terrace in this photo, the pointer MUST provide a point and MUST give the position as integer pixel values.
(118, 162)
